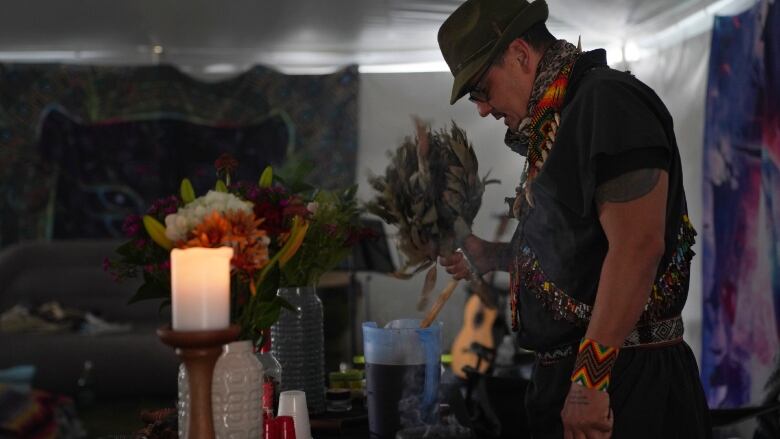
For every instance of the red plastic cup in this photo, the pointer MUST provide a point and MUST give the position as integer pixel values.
(271, 429)
(286, 427)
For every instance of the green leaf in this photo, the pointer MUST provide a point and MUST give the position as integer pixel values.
(151, 289)
(285, 304)
(261, 314)
(279, 179)
(301, 187)
(126, 249)
(268, 314)
(221, 186)
(266, 290)
(294, 173)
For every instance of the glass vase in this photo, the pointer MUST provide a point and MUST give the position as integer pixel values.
(298, 343)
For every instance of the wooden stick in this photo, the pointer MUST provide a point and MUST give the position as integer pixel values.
(440, 301)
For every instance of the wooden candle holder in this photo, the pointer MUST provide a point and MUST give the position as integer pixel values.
(199, 351)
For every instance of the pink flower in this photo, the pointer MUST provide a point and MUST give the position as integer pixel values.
(164, 206)
(132, 225)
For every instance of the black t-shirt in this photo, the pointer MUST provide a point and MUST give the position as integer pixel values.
(611, 123)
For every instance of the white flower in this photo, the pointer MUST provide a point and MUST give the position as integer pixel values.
(179, 224)
(312, 207)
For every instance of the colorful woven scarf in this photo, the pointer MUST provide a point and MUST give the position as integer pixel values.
(536, 134)
(544, 123)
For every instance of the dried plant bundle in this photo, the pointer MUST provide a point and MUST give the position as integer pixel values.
(432, 192)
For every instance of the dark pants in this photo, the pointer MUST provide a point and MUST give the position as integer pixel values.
(655, 393)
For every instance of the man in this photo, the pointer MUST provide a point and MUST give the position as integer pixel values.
(600, 259)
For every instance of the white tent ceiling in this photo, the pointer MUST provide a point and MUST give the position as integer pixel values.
(225, 36)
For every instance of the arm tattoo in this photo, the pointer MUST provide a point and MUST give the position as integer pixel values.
(628, 187)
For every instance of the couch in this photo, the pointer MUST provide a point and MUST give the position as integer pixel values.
(125, 365)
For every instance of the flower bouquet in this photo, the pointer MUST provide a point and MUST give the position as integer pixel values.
(283, 233)
(432, 192)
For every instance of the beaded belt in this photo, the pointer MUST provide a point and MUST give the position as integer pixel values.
(658, 334)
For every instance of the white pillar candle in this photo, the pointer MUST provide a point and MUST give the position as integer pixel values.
(200, 287)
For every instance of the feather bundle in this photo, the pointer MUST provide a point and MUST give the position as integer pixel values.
(432, 192)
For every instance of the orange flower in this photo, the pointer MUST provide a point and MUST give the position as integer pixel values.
(210, 233)
(237, 229)
(249, 242)
(245, 228)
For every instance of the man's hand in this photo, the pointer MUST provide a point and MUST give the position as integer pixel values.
(485, 256)
(456, 265)
(586, 414)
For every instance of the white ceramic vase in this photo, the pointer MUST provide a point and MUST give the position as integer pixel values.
(236, 394)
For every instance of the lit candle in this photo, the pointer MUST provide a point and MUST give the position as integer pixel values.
(200, 287)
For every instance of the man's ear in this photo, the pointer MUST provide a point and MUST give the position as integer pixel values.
(520, 52)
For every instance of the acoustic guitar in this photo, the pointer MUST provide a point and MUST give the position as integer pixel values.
(475, 344)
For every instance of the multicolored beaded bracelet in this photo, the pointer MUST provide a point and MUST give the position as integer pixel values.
(593, 366)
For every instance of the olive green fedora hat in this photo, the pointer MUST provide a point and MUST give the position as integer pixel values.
(478, 30)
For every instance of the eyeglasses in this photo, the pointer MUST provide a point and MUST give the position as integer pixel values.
(479, 93)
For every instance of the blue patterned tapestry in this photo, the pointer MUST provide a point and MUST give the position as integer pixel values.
(83, 146)
(741, 236)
